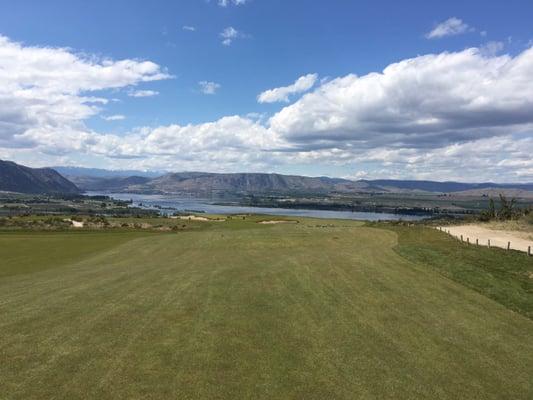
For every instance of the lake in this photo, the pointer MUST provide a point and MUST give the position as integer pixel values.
(170, 204)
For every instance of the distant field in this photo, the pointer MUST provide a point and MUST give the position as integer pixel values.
(240, 310)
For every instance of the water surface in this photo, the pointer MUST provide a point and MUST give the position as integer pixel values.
(169, 204)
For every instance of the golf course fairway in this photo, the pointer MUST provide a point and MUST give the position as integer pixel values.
(240, 310)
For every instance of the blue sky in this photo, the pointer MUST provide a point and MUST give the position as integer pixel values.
(272, 43)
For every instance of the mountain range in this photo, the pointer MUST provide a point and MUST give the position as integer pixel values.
(18, 178)
(207, 183)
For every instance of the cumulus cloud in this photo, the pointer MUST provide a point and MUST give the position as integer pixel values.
(451, 27)
(302, 84)
(143, 93)
(229, 142)
(48, 91)
(466, 115)
(207, 87)
(188, 28)
(427, 101)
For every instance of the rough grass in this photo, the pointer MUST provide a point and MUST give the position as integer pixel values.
(505, 276)
(316, 310)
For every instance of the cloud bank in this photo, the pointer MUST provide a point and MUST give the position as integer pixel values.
(48, 92)
(464, 115)
(424, 102)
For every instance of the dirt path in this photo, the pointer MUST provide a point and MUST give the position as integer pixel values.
(498, 238)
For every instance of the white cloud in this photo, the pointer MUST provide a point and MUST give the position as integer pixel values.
(302, 84)
(466, 115)
(188, 28)
(427, 101)
(117, 117)
(230, 142)
(143, 93)
(225, 3)
(229, 34)
(504, 158)
(208, 87)
(46, 90)
(451, 27)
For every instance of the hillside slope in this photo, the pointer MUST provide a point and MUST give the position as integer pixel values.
(209, 183)
(264, 183)
(18, 178)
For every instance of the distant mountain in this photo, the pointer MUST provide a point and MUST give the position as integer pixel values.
(206, 183)
(241, 183)
(21, 179)
(104, 173)
(213, 183)
(107, 184)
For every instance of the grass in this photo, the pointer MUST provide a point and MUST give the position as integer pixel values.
(239, 310)
(505, 276)
(29, 252)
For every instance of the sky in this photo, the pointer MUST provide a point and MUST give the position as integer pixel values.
(368, 89)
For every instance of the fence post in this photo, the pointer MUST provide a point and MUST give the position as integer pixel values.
(477, 242)
(468, 240)
(461, 238)
(488, 242)
(529, 250)
(508, 245)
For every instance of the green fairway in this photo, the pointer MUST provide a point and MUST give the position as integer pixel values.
(26, 253)
(239, 310)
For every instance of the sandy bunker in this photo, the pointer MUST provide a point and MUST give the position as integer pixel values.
(197, 218)
(274, 222)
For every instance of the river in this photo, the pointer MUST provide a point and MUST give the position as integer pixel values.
(169, 204)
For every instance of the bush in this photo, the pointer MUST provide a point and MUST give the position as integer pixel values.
(507, 210)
